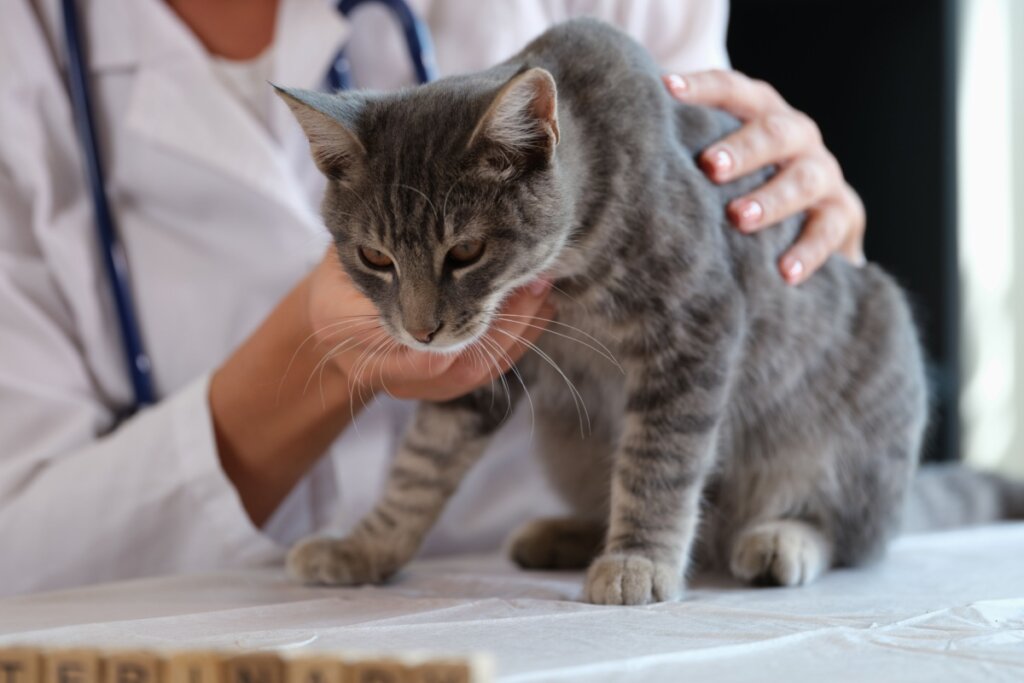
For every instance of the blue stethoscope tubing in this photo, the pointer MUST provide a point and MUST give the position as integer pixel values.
(113, 254)
(115, 262)
(417, 40)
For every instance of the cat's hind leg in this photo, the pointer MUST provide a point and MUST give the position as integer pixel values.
(781, 552)
(557, 543)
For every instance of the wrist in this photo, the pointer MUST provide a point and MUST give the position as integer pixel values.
(274, 413)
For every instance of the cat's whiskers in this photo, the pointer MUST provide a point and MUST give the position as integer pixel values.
(478, 360)
(345, 321)
(447, 194)
(321, 379)
(512, 366)
(422, 194)
(389, 346)
(358, 196)
(338, 348)
(494, 363)
(354, 377)
(359, 367)
(600, 349)
(339, 328)
(577, 397)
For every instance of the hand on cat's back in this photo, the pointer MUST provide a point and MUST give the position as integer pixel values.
(347, 327)
(809, 177)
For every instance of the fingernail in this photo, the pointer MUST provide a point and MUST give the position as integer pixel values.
(677, 84)
(538, 287)
(720, 161)
(792, 268)
(750, 212)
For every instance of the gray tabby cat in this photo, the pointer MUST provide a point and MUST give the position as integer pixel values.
(769, 429)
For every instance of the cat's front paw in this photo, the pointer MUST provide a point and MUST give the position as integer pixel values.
(626, 579)
(347, 561)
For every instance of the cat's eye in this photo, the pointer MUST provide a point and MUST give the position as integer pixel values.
(465, 253)
(374, 258)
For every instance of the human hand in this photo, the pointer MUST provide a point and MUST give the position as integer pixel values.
(809, 177)
(346, 325)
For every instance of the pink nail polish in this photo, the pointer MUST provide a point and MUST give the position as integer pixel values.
(793, 268)
(721, 160)
(677, 84)
(751, 211)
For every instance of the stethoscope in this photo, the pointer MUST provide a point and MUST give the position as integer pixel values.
(140, 368)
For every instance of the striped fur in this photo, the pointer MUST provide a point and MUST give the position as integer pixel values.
(735, 421)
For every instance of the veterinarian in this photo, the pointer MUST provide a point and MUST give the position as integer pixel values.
(251, 443)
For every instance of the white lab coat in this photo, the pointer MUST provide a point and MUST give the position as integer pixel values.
(218, 215)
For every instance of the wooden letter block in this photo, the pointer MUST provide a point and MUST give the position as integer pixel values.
(378, 671)
(131, 667)
(313, 670)
(19, 665)
(254, 668)
(72, 666)
(193, 667)
(441, 672)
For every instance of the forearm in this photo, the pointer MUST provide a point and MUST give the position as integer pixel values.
(270, 426)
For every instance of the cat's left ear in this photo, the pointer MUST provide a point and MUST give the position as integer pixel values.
(519, 131)
(329, 123)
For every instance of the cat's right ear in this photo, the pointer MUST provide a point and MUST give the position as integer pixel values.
(328, 123)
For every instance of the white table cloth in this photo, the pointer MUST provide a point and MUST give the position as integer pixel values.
(941, 607)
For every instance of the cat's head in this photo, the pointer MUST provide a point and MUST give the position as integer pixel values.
(441, 199)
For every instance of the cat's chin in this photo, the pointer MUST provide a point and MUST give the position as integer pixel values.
(450, 349)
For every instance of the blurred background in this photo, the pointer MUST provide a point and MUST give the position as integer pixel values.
(922, 102)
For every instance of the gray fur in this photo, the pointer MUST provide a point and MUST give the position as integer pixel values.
(769, 429)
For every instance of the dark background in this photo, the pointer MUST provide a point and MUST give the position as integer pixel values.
(878, 76)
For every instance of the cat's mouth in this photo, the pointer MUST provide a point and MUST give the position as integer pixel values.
(449, 340)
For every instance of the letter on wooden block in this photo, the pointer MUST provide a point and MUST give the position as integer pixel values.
(378, 671)
(72, 666)
(441, 672)
(313, 670)
(19, 665)
(131, 667)
(254, 668)
(193, 667)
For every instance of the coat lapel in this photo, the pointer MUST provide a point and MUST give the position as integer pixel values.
(178, 102)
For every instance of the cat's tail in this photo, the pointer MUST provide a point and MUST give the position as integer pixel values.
(954, 495)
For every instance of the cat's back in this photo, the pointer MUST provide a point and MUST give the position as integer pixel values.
(589, 53)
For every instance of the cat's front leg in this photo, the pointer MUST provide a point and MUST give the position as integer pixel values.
(667, 448)
(443, 442)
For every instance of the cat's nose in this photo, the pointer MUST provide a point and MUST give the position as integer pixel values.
(424, 335)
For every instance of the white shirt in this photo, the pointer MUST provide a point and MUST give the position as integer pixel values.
(217, 207)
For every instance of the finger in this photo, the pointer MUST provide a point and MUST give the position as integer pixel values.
(741, 96)
(853, 245)
(821, 237)
(774, 138)
(794, 188)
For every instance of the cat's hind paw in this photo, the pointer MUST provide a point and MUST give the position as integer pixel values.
(557, 543)
(786, 552)
(626, 579)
